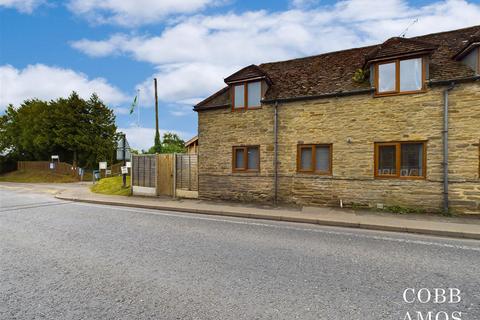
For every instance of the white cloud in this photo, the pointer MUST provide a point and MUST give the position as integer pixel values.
(183, 83)
(47, 82)
(25, 6)
(193, 55)
(130, 13)
(101, 48)
(121, 110)
(142, 138)
(303, 3)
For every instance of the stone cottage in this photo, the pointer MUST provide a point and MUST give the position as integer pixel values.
(394, 124)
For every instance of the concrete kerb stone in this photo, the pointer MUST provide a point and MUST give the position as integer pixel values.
(333, 223)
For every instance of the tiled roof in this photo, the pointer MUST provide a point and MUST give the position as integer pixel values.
(332, 73)
(219, 99)
(252, 71)
(326, 73)
(472, 42)
(399, 46)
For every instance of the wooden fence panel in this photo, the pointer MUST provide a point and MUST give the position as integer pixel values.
(116, 168)
(144, 171)
(187, 172)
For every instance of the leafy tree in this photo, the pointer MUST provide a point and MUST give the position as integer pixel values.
(78, 130)
(171, 143)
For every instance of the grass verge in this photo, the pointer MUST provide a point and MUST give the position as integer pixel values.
(37, 177)
(112, 186)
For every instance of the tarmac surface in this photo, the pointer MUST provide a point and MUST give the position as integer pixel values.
(66, 260)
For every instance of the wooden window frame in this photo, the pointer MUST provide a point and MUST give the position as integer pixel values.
(478, 60)
(398, 160)
(245, 95)
(245, 158)
(397, 77)
(314, 162)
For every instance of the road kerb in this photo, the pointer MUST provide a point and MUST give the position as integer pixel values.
(333, 223)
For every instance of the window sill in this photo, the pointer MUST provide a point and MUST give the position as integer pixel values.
(325, 174)
(246, 173)
(391, 94)
(245, 109)
(399, 178)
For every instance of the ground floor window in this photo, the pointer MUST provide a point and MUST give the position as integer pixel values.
(400, 160)
(246, 159)
(314, 158)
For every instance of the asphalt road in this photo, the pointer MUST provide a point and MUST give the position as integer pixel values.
(62, 260)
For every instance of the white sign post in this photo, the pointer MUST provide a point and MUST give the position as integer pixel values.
(124, 170)
(102, 166)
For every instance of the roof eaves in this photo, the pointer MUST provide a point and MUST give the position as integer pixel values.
(261, 74)
(241, 80)
(320, 96)
(396, 56)
(454, 80)
(192, 140)
(205, 108)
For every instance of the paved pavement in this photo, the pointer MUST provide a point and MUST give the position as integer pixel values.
(459, 227)
(466, 226)
(65, 260)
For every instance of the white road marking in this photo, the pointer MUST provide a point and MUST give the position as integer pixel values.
(250, 223)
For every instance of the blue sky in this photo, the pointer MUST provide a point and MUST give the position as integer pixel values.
(114, 47)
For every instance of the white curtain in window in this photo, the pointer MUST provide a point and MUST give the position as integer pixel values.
(386, 77)
(411, 74)
(254, 94)
(240, 96)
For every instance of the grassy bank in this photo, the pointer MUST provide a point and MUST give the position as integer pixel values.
(112, 186)
(36, 177)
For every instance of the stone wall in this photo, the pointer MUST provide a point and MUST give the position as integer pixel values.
(352, 124)
(219, 131)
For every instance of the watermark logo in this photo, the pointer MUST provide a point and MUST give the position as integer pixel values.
(438, 297)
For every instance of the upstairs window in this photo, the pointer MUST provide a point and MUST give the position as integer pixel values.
(239, 97)
(400, 160)
(400, 76)
(247, 95)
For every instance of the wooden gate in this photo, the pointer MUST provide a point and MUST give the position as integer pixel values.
(165, 174)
